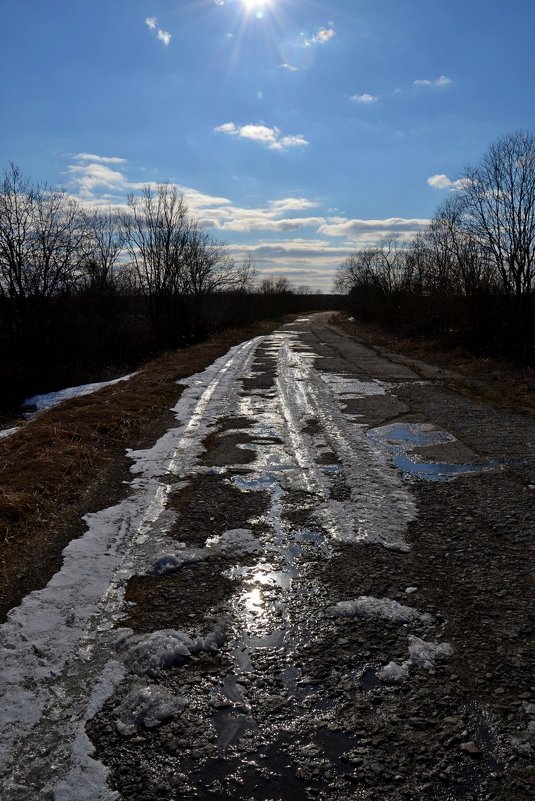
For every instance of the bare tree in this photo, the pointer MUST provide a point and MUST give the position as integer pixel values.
(469, 272)
(499, 209)
(378, 268)
(41, 243)
(105, 240)
(276, 286)
(17, 203)
(157, 229)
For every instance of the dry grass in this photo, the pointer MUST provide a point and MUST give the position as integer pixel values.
(56, 467)
(499, 382)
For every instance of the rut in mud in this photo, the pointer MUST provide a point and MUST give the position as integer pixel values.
(306, 595)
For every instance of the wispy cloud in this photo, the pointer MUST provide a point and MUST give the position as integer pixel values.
(443, 182)
(271, 138)
(99, 159)
(289, 67)
(88, 176)
(364, 98)
(443, 80)
(164, 36)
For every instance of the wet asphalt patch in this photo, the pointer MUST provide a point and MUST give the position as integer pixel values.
(178, 600)
(210, 505)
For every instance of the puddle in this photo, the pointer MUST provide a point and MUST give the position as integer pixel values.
(417, 434)
(399, 439)
(316, 537)
(369, 681)
(442, 471)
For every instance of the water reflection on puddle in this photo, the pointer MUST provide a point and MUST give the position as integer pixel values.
(399, 439)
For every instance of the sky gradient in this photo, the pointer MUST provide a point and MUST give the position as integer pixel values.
(298, 130)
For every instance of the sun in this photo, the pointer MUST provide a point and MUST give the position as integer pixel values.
(255, 5)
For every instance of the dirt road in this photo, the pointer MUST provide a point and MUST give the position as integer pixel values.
(320, 586)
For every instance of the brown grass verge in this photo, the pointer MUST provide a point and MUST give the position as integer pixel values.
(498, 382)
(70, 461)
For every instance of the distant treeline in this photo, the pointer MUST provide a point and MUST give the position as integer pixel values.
(86, 291)
(469, 277)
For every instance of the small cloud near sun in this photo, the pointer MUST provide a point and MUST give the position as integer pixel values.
(322, 36)
(271, 138)
(164, 36)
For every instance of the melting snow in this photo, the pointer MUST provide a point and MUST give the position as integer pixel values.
(7, 432)
(236, 541)
(40, 403)
(70, 623)
(162, 650)
(367, 607)
(424, 654)
(147, 706)
(393, 673)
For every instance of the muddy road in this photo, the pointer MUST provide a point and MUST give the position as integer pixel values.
(318, 586)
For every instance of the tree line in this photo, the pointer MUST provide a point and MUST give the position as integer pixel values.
(469, 276)
(86, 289)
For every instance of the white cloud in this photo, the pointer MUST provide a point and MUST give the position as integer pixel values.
(269, 137)
(292, 204)
(289, 67)
(164, 36)
(302, 261)
(88, 176)
(289, 141)
(228, 128)
(99, 159)
(364, 98)
(442, 81)
(371, 229)
(443, 182)
(260, 133)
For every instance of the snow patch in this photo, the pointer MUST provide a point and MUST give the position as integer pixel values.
(237, 541)
(40, 403)
(346, 387)
(7, 432)
(55, 645)
(147, 706)
(424, 654)
(393, 673)
(366, 607)
(163, 650)
(87, 771)
(172, 563)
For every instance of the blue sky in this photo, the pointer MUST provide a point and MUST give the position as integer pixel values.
(298, 130)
